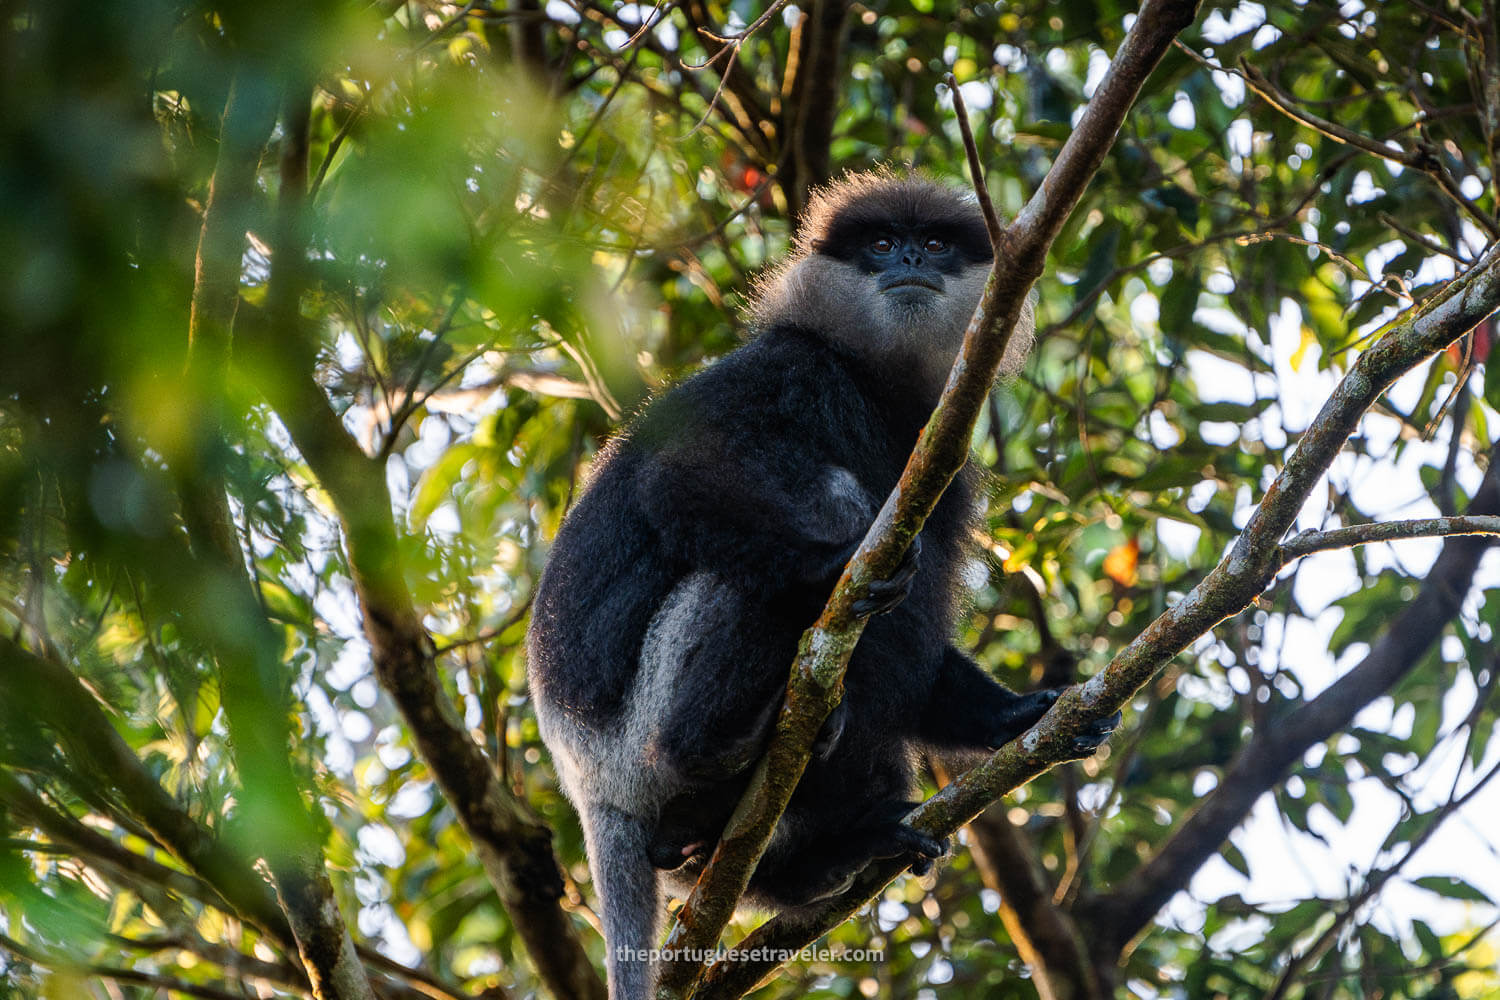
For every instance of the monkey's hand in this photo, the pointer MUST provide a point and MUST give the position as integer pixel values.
(1021, 713)
(883, 595)
(1027, 709)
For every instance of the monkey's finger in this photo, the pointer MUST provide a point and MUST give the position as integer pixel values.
(882, 599)
(1029, 707)
(833, 728)
(911, 559)
(885, 595)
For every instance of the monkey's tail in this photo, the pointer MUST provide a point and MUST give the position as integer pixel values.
(626, 883)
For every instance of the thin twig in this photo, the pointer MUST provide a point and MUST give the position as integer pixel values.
(1424, 160)
(752, 29)
(338, 140)
(1309, 542)
(1431, 246)
(151, 981)
(976, 169)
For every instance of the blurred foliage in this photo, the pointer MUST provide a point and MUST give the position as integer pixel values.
(526, 219)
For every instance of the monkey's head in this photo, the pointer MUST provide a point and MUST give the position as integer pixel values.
(890, 266)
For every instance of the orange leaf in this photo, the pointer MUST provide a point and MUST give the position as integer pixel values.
(1120, 564)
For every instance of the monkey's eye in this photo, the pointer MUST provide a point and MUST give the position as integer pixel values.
(883, 244)
(935, 245)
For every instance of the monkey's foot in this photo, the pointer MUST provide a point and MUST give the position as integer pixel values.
(927, 850)
(668, 856)
(1093, 737)
(883, 595)
(895, 839)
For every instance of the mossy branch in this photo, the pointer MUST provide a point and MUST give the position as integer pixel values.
(816, 683)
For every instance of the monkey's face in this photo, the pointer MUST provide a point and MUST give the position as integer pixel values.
(891, 268)
(900, 294)
(919, 277)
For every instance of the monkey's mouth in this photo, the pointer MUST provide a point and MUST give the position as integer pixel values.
(909, 284)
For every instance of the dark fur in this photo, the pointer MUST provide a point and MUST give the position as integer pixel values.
(711, 534)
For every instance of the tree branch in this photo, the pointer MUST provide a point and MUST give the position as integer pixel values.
(152, 981)
(1423, 160)
(250, 665)
(237, 964)
(514, 847)
(976, 168)
(1269, 755)
(56, 696)
(97, 849)
(1309, 542)
(1048, 938)
(217, 874)
(812, 103)
(1375, 881)
(823, 654)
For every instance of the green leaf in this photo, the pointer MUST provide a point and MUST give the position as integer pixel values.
(1451, 887)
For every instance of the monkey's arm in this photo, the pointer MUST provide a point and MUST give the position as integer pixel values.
(717, 507)
(968, 710)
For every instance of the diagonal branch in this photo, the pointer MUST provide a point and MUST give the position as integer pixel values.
(1049, 939)
(82, 841)
(1268, 756)
(1297, 963)
(58, 698)
(217, 873)
(817, 675)
(811, 100)
(1256, 557)
(250, 664)
(514, 847)
(152, 982)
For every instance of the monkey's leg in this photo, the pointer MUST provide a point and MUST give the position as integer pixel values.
(969, 710)
(626, 884)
